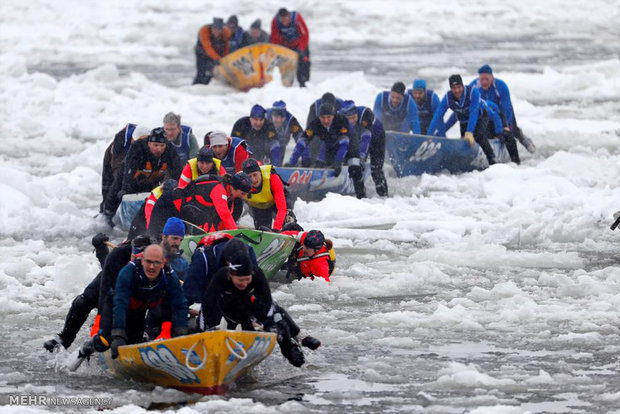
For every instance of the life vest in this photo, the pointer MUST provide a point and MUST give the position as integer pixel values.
(197, 207)
(290, 32)
(183, 146)
(461, 107)
(150, 203)
(263, 199)
(393, 117)
(143, 295)
(128, 136)
(193, 163)
(425, 112)
(303, 262)
(283, 131)
(229, 160)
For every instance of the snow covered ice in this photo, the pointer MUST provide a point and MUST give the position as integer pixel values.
(495, 291)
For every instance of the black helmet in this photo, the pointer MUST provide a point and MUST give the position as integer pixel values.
(205, 155)
(314, 239)
(241, 181)
(250, 165)
(158, 135)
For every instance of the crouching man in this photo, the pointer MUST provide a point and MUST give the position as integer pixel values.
(240, 293)
(142, 285)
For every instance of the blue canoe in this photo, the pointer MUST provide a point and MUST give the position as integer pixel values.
(312, 184)
(418, 154)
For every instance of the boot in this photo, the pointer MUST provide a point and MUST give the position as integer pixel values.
(52, 344)
(511, 146)
(311, 342)
(291, 349)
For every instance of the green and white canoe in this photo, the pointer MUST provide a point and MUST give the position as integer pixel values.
(272, 249)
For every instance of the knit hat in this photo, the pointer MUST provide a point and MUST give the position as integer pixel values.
(250, 165)
(279, 108)
(240, 264)
(485, 69)
(326, 109)
(419, 84)
(314, 239)
(329, 98)
(174, 227)
(257, 112)
(455, 80)
(348, 108)
(240, 181)
(205, 155)
(158, 135)
(218, 23)
(255, 24)
(217, 138)
(283, 12)
(233, 19)
(398, 87)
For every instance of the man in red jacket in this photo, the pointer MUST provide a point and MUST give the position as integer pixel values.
(267, 199)
(313, 255)
(289, 29)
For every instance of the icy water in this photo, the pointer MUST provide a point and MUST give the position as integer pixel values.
(494, 291)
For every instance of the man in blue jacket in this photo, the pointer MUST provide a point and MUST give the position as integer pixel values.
(142, 285)
(391, 108)
(369, 131)
(495, 90)
(467, 108)
(422, 105)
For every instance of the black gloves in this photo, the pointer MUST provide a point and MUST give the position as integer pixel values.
(337, 168)
(99, 239)
(119, 338)
(179, 331)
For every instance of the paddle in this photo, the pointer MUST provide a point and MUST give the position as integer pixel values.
(616, 220)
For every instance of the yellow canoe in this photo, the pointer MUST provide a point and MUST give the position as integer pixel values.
(205, 363)
(252, 66)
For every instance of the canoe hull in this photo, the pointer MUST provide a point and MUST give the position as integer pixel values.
(419, 154)
(272, 249)
(253, 66)
(312, 184)
(205, 363)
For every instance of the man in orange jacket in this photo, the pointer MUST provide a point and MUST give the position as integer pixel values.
(212, 45)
